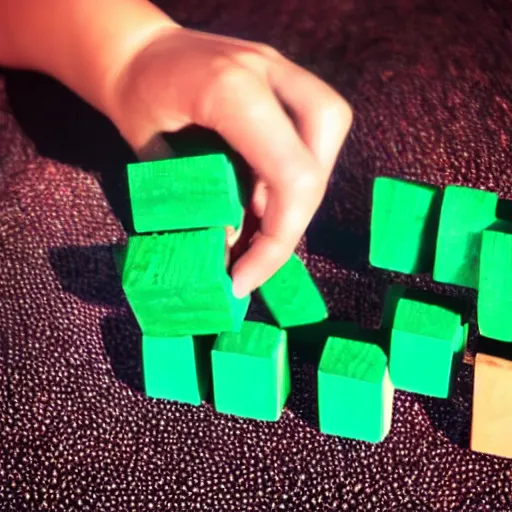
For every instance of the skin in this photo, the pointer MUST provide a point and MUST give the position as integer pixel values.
(150, 75)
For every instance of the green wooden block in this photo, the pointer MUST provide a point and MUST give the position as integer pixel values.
(292, 296)
(355, 394)
(404, 224)
(465, 214)
(427, 341)
(177, 284)
(176, 368)
(251, 373)
(495, 283)
(184, 193)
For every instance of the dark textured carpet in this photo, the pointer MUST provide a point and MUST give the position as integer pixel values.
(430, 82)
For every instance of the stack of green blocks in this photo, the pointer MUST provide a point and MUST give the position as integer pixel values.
(175, 279)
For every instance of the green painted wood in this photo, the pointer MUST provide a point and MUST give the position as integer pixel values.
(176, 368)
(404, 222)
(177, 283)
(184, 193)
(426, 342)
(251, 373)
(465, 214)
(355, 394)
(292, 296)
(495, 283)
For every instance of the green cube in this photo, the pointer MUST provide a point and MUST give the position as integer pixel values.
(465, 214)
(394, 293)
(184, 193)
(404, 222)
(495, 283)
(292, 296)
(427, 341)
(177, 284)
(176, 368)
(355, 394)
(251, 373)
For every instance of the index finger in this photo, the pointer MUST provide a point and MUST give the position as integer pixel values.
(253, 122)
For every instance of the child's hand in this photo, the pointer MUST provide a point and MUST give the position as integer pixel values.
(285, 122)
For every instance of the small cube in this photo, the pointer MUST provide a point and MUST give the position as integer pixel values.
(465, 214)
(251, 372)
(177, 284)
(492, 394)
(355, 394)
(404, 222)
(292, 296)
(427, 341)
(176, 368)
(495, 283)
(184, 193)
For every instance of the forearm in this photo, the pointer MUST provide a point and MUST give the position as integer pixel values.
(83, 43)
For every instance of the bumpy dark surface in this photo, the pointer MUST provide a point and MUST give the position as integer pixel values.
(430, 82)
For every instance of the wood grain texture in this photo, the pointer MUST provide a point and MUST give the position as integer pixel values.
(355, 394)
(465, 214)
(251, 372)
(404, 222)
(492, 415)
(495, 283)
(177, 283)
(292, 296)
(184, 193)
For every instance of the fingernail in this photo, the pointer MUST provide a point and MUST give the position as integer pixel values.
(240, 289)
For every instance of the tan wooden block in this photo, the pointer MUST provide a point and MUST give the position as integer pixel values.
(491, 430)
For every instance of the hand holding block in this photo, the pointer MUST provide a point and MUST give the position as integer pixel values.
(403, 225)
(177, 284)
(251, 373)
(184, 193)
(465, 214)
(427, 341)
(492, 396)
(495, 283)
(176, 368)
(355, 394)
(292, 296)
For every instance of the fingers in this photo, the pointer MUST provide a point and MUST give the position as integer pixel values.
(321, 115)
(249, 116)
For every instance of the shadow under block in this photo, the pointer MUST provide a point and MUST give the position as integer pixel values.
(184, 193)
(176, 368)
(427, 342)
(393, 295)
(355, 394)
(492, 415)
(177, 284)
(292, 297)
(251, 372)
(495, 283)
(404, 222)
(465, 214)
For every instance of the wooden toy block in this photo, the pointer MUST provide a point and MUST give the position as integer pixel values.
(465, 214)
(404, 224)
(495, 283)
(292, 296)
(251, 373)
(355, 394)
(492, 396)
(176, 368)
(184, 193)
(177, 284)
(427, 341)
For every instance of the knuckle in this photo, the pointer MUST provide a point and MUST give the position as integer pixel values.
(268, 51)
(225, 77)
